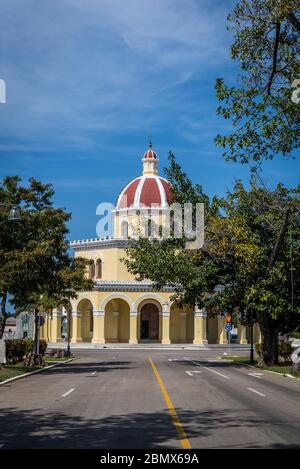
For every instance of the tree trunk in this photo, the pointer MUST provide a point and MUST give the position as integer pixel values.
(3, 313)
(36, 331)
(269, 345)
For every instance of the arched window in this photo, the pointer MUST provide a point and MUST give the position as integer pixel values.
(124, 229)
(149, 228)
(99, 268)
(172, 223)
(92, 270)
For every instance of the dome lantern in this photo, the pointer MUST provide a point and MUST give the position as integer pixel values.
(150, 162)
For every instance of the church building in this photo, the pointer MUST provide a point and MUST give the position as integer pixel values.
(121, 309)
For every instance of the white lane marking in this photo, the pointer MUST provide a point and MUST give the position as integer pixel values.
(177, 359)
(257, 392)
(93, 374)
(68, 392)
(256, 375)
(191, 373)
(209, 369)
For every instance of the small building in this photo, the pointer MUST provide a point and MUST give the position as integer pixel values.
(25, 325)
(10, 328)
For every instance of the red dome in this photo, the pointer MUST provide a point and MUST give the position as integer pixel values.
(150, 154)
(145, 191)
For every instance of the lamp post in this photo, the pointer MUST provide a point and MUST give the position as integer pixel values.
(14, 213)
(251, 341)
(69, 331)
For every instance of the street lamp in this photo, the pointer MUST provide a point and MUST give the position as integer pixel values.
(14, 213)
(69, 331)
(251, 341)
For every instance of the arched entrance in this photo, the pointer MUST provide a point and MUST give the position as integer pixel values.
(85, 307)
(149, 323)
(117, 321)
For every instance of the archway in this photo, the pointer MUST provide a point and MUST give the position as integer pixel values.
(85, 307)
(212, 330)
(117, 321)
(149, 323)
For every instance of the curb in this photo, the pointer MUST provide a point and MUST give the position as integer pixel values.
(268, 371)
(177, 347)
(14, 378)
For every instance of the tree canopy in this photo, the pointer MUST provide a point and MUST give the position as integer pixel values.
(36, 268)
(265, 119)
(251, 248)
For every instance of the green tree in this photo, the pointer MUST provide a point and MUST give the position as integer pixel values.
(264, 285)
(251, 248)
(265, 119)
(36, 268)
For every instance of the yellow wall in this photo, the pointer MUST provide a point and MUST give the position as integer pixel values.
(112, 267)
(116, 323)
(212, 330)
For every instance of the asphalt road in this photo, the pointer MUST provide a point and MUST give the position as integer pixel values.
(121, 399)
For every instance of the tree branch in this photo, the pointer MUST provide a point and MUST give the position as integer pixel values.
(275, 52)
(279, 240)
(292, 18)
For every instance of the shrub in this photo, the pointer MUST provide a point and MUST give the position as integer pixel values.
(285, 350)
(295, 334)
(258, 349)
(57, 353)
(17, 349)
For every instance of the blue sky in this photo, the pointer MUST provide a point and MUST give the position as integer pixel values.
(89, 80)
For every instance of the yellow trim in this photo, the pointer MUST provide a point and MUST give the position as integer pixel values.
(178, 425)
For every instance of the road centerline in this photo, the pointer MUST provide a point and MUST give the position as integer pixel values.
(68, 392)
(178, 425)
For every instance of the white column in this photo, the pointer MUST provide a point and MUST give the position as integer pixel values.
(98, 333)
(222, 334)
(56, 326)
(76, 330)
(133, 332)
(200, 321)
(166, 325)
(242, 334)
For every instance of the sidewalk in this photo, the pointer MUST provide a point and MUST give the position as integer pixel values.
(147, 346)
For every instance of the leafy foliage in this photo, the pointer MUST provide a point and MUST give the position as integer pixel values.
(35, 266)
(251, 248)
(266, 44)
(17, 349)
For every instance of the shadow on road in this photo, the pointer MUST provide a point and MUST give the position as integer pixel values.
(40, 429)
(87, 367)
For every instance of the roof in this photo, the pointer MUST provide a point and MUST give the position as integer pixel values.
(146, 191)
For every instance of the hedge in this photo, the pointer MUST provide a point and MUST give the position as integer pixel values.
(17, 349)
